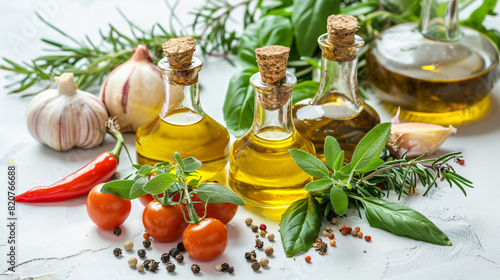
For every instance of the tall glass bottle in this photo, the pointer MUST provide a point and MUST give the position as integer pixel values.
(182, 125)
(261, 170)
(436, 70)
(336, 109)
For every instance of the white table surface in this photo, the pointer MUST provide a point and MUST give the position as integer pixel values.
(59, 239)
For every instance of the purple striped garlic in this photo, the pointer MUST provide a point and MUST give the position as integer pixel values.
(133, 91)
(416, 138)
(67, 117)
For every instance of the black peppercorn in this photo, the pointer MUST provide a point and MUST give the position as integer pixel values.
(173, 252)
(259, 244)
(225, 267)
(170, 267)
(179, 258)
(180, 247)
(147, 263)
(117, 231)
(146, 243)
(230, 269)
(153, 266)
(195, 268)
(165, 257)
(117, 252)
(251, 256)
(141, 253)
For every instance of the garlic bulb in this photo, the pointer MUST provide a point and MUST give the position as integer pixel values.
(416, 138)
(133, 92)
(67, 117)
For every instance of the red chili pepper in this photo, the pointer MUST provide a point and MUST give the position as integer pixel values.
(79, 183)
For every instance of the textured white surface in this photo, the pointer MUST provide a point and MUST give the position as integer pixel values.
(58, 238)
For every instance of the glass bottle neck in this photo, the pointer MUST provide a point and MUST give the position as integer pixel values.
(338, 80)
(273, 108)
(439, 20)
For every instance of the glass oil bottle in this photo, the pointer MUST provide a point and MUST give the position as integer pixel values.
(437, 71)
(336, 109)
(261, 170)
(182, 125)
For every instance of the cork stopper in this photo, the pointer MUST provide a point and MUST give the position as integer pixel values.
(341, 29)
(179, 51)
(272, 61)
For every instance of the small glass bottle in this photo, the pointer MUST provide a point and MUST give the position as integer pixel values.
(182, 125)
(336, 109)
(437, 71)
(261, 170)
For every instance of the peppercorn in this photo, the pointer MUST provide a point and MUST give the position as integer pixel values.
(248, 221)
(153, 266)
(170, 267)
(195, 268)
(328, 229)
(264, 261)
(179, 258)
(334, 221)
(349, 229)
(224, 267)
(354, 233)
(140, 267)
(147, 263)
(117, 231)
(368, 238)
(128, 245)
(308, 258)
(117, 252)
(255, 228)
(173, 252)
(461, 161)
(257, 236)
(218, 267)
(251, 256)
(322, 248)
(331, 236)
(146, 235)
(132, 261)
(269, 250)
(259, 243)
(263, 227)
(332, 243)
(165, 257)
(343, 228)
(146, 243)
(357, 228)
(270, 237)
(325, 233)
(318, 240)
(360, 234)
(256, 266)
(230, 269)
(180, 247)
(141, 253)
(263, 233)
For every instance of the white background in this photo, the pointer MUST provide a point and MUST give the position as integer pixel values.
(58, 239)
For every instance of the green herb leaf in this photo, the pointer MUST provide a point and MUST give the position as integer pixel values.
(338, 163)
(401, 220)
(299, 225)
(309, 163)
(239, 104)
(120, 188)
(179, 160)
(159, 183)
(373, 164)
(137, 188)
(339, 200)
(304, 90)
(267, 31)
(371, 145)
(145, 170)
(218, 193)
(332, 151)
(318, 185)
(193, 182)
(309, 22)
(137, 166)
(191, 164)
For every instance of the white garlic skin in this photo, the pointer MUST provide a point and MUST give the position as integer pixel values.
(133, 92)
(67, 117)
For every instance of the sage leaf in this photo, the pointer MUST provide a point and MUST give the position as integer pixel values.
(401, 220)
(179, 160)
(318, 185)
(120, 188)
(160, 183)
(145, 170)
(191, 164)
(309, 163)
(299, 225)
(373, 164)
(218, 193)
(338, 163)
(371, 145)
(339, 200)
(332, 151)
(137, 188)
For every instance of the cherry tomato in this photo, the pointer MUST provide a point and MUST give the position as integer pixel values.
(205, 240)
(163, 223)
(106, 210)
(223, 212)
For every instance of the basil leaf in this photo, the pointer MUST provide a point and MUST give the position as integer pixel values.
(402, 220)
(304, 90)
(309, 20)
(120, 188)
(218, 193)
(373, 164)
(191, 164)
(339, 200)
(363, 8)
(267, 31)
(239, 104)
(311, 61)
(159, 183)
(332, 151)
(371, 145)
(299, 225)
(318, 185)
(137, 188)
(309, 163)
(145, 170)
